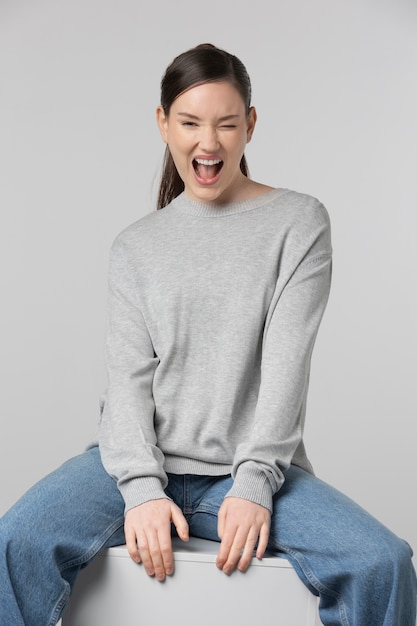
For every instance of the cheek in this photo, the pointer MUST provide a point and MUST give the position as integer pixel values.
(238, 144)
(176, 144)
(179, 159)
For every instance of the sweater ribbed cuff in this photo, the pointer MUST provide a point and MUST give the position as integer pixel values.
(140, 490)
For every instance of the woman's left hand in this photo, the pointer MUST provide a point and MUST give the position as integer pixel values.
(241, 525)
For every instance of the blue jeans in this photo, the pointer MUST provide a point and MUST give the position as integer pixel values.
(362, 572)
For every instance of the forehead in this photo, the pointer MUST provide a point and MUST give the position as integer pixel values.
(212, 99)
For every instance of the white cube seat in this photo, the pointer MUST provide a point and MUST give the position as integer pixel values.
(114, 591)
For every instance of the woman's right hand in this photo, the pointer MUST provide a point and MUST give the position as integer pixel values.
(148, 535)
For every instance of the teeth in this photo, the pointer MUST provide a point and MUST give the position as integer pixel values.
(208, 161)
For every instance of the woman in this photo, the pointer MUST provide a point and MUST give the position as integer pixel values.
(214, 305)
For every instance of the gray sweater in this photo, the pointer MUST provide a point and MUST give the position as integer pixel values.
(213, 313)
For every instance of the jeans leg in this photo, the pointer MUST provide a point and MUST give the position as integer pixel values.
(53, 531)
(361, 570)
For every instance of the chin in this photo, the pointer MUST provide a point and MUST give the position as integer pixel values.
(206, 195)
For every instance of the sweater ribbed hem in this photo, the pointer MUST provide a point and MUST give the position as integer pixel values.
(182, 465)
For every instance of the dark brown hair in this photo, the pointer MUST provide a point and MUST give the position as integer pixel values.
(203, 64)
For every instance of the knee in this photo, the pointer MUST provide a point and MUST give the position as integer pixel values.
(388, 556)
(7, 543)
(7, 532)
(15, 527)
(10, 536)
(401, 559)
(19, 539)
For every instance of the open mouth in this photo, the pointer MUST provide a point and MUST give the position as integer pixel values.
(207, 169)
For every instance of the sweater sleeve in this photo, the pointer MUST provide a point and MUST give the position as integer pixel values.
(290, 331)
(127, 437)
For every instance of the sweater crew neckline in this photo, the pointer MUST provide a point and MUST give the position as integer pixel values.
(211, 209)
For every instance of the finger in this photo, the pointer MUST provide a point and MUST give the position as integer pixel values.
(131, 544)
(247, 553)
(226, 536)
(145, 555)
(220, 522)
(239, 553)
(263, 541)
(180, 524)
(159, 559)
(231, 549)
(224, 550)
(167, 564)
(152, 558)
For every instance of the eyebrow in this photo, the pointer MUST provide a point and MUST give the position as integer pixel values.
(221, 119)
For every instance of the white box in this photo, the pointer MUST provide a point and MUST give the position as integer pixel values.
(114, 591)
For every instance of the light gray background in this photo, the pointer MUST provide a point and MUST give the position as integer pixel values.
(335, 87)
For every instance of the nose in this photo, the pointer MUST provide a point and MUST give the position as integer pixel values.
(208, 139)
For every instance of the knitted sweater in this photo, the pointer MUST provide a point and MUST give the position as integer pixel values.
(212, 316)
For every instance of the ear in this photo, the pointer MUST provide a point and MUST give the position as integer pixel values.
(162, 122)
(251, 123)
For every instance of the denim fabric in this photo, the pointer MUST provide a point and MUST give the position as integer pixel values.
(362, 572)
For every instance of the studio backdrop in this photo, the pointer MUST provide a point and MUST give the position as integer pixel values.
(335, 88)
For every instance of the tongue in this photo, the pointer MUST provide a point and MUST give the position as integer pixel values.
(207, 171)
